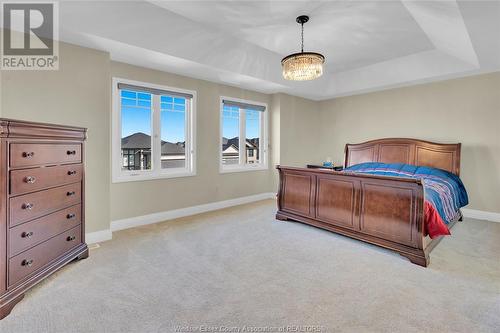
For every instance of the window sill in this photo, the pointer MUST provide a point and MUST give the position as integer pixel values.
(124, 178)
(223, 169)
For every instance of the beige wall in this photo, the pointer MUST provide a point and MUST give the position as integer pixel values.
(77, 94)
(275, 137)
(463, 110)
(295, 125)
(300, 131)
(146, 197)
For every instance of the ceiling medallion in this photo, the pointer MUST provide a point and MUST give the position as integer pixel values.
(303, 66)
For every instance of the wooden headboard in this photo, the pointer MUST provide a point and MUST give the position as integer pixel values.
(409, 151)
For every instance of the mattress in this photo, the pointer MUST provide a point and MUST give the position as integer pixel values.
(444, 192)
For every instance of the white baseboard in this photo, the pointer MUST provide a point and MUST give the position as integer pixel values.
(481, 215)
(98, 236)
(182, 212)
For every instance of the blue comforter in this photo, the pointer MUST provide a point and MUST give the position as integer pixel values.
(443, 190)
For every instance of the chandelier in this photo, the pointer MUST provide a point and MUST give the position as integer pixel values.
(302, 66)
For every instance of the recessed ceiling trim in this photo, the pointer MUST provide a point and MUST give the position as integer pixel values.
(453, 40)
(447, 32)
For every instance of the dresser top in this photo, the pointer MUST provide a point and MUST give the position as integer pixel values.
(12, 128)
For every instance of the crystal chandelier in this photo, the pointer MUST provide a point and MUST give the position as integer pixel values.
(304, 65)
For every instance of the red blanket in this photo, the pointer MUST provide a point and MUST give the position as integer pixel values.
(434, 224)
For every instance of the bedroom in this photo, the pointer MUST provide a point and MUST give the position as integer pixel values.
(188, 239)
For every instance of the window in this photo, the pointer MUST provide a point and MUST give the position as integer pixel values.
(153, 131)
(243, 135)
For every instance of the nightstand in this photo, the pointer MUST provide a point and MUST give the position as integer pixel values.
(334, 168)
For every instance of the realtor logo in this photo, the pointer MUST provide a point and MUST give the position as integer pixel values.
(29, 36)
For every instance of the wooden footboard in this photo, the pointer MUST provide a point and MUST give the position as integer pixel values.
(385, 211)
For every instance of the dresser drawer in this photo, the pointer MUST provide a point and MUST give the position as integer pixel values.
(30, 180)
(35, 258)
(31, 233)
(29, 206)
(29, 154)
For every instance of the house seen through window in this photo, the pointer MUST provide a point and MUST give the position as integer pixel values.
(136, 112)
(155, 131)
(243, 135)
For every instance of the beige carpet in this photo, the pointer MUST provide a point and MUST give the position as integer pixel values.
(239, 268)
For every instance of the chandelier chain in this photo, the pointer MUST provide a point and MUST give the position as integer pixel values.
(302, 41)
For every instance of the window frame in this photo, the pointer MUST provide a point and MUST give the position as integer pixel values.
(156, 172)
(263, 140)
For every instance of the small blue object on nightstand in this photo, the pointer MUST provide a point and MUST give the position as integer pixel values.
(328, 164)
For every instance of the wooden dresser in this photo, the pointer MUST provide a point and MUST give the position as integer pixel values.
(42, 204)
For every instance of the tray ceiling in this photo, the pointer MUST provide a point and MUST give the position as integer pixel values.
(369, 45)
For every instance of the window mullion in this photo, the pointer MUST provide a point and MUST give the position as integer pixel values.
(187, 135)
(118, 143)
(264, 138)
(242, 141)
(156, 144)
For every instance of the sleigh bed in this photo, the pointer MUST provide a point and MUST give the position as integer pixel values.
(387, 211)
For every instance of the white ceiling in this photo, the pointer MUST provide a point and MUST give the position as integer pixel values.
(369, 45)
(350, 34)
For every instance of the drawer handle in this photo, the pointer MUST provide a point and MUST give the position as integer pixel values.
(28, 234)
(70, 193)
(70, 238)
(27, 262)
(30, 179)
(70, 216)
(71, 152)
(27, 206)
(28, 154)
(71, 172)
